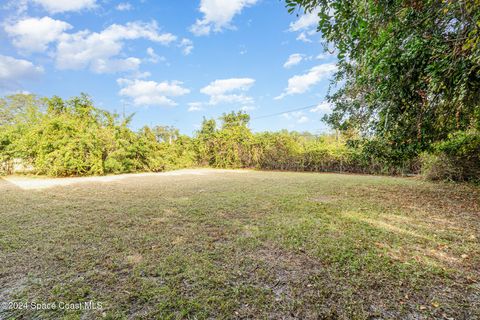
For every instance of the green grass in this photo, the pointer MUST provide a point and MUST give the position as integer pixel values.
(243, 245)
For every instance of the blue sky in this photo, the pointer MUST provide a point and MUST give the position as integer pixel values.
(170, 62)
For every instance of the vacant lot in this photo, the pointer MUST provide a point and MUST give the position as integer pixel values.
(241, 244)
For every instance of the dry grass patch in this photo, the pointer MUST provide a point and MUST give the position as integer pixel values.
(252, 245)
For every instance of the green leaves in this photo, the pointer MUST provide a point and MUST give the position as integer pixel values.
(409, 71)
(230, 146)
(73, 137)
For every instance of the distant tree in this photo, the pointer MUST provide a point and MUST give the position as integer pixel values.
(166, 133)
(205, 142)
(230, 145)
(17, 105)
(234, 141)
(235, 119)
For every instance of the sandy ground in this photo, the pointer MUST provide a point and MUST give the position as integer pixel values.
(29, 183)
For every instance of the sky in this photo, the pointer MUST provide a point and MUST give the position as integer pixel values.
(171, 62)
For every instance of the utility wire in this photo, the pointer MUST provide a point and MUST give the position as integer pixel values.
(283, 112)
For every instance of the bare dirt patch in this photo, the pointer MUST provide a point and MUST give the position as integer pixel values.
(28, 183)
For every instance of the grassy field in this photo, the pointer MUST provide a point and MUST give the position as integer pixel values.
(246, 244)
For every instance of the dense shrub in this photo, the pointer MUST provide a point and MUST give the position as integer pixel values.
(64, 138)
(439, 167)
(379, 155)
(457, 158)
(279, 151)
(230, 146)
(292, 151)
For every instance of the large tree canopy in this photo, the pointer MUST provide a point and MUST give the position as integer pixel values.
(409, 70)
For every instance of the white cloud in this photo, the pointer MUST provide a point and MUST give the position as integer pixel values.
(101, 52)
(231, 98)
(124, 6)
(303, 119)
(227, 85)
(303, 37)
(195, 106)
(153, 57)
(57, 6)
(322, 107)
(301, 83)
(150, 93)
(115, 65)
(186, 45)
(293, 60)
(218, 14)
(13, 70)
(247, 108)
(229, 91)
(297, 116)
(305, 22)
(140, 75)
(306, 25)
(322, 56)
(89, 49)
(19, 7)
(34, 34)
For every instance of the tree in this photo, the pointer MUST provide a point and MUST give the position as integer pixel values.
(234, 141)
(16, 106)
(205, 142)
(227, 146)
(166, 133)
(409, 70)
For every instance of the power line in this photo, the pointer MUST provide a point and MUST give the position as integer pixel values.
(283, 112)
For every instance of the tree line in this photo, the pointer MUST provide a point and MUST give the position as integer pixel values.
(72, 137)
(406, 100)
